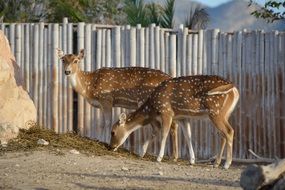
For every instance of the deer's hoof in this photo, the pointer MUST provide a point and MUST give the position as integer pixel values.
(227, 165)
(158, 159)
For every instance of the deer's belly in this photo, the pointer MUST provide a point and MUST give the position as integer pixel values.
(124, 102)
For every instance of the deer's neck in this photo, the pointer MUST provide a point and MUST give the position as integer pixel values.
(137, 121)
(79, 82)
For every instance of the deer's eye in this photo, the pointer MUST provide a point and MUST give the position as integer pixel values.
(112, 133)
(62, 60)
(75, 61)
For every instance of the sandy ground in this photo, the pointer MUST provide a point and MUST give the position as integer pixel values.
(44, 169)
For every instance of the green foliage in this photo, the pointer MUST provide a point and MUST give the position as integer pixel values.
(167, 16)
(66, 8)
(154, 12)
(99, 11)
(19, 10)
(271, 11)
(136, 12)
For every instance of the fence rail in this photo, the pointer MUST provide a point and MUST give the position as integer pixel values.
(253, 60)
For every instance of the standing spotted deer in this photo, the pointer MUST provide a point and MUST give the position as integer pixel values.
(180, 98)
(105, 88)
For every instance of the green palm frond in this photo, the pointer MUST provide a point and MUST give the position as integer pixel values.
(136, 12)
(167, 17)
(154, 12)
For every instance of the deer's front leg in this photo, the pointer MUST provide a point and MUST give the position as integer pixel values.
(155, 126)
(106, 106)
(166, 123)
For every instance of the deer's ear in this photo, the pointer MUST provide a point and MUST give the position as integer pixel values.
(81, 54)
(60, 53)
(122, 118)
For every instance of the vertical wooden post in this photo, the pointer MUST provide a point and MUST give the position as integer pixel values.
(116, 50)
(99, 121)
(36, 67)
(18, 43)
(127, 58)
(147, 48)
(167, 53)
(189, 55)
(60, 86)
(272, 92)
(179, 53)
(69, 87)
(103, 58)
(133, 42)
(139, 133)
(108, 48)
(172, 55)
(162, 51)
(55, 40)
(12, 37)
(123, 45)
(27, 58)
(49, 74)
(214, 62)
(157, 45)
(40, 73)
(268, 139)
(87, 63)
(117, 46)
(151, 46)
(200, 52)
(45, 78)
(94, 111)
(80, 45)
(63, 78)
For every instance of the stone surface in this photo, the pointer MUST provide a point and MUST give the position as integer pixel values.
(42, 142)
(73, 151)
(17, 111)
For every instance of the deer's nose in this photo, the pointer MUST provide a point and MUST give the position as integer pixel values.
(67, 72)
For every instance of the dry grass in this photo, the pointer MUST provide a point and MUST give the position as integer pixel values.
(27, 141)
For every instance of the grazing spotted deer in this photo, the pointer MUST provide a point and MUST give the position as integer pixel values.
(180, 98)
(105, 88)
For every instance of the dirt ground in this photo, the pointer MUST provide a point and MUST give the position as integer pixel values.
(48, 170)
(55, 167)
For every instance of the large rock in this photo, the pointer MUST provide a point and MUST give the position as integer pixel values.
(17, 110)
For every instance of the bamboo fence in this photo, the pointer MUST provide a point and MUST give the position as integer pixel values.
(253, 60)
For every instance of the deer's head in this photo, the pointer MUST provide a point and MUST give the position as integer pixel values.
(119, 132)
(70, 61)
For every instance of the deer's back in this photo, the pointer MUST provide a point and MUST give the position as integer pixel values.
(127, 86)
(131, 76)
(188, 95)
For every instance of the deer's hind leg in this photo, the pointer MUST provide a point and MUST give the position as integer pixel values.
(174, 140)
(227, 133)
(186, 128)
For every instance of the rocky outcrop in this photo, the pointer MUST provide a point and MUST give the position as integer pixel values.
(17, 110)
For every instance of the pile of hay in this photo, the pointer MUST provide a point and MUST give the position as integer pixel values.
(27, 141)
